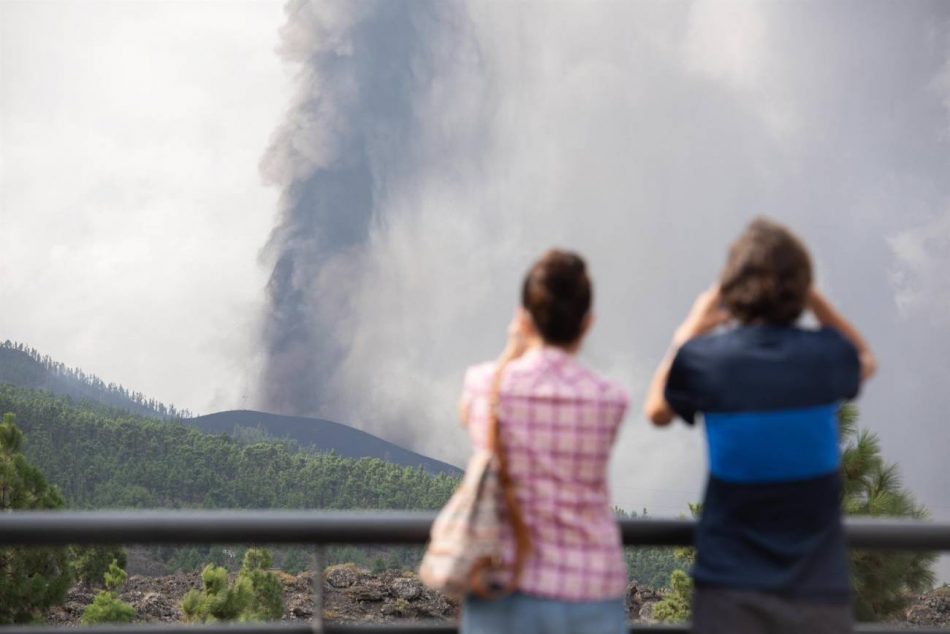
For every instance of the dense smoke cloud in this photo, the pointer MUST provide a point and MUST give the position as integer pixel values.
(433, 149)
(352, 130)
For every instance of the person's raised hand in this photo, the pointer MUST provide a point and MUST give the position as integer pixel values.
(520, 335)
(706, 314)
(828, 317)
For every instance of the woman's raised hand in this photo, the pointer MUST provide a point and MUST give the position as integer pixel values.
(521, 335)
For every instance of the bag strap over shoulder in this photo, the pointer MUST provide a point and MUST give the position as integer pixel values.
(497, 445)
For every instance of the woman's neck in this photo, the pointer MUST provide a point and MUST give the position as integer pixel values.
(570, 348)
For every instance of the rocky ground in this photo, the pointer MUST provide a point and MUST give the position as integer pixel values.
(932, 608)
(352, 594)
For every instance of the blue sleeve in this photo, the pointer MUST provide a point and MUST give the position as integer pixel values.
(682, 385)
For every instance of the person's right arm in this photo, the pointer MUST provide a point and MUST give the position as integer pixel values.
(520, 336)
(705, 315)
(828, 317)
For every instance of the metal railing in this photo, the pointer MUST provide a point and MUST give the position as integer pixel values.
(322, 528)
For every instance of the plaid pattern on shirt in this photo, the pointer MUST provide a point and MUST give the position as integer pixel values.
(558, 422)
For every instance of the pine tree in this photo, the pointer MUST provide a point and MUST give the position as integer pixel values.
(107, 607)
(296, 560)
(31, 579)
(882, 580)
(676, 604)
(256, 595)
(92, 563)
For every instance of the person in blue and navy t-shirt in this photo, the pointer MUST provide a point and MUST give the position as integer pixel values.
(771, 552)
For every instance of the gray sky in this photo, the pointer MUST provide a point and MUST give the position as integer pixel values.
(154, 154)
(131, 206)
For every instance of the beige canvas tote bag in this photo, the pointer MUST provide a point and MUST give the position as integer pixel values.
(464, 552)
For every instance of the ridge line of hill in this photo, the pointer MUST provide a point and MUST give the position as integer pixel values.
(315, 435)
(24, 367)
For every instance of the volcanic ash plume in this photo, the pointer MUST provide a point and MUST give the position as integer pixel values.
(348, 133)
(433, 149)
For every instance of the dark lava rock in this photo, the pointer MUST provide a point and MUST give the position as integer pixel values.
(931, 608)
(342, 575)
(406, 588)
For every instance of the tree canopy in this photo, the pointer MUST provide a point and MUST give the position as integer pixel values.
(31, 579)
(882, 580)
(108, 458)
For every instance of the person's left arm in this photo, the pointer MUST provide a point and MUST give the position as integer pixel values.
(828, 317)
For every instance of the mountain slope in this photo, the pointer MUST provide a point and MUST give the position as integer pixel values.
(22, 366)
(107, 458)
(318, 434)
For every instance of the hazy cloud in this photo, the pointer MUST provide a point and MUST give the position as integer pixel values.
(131, 208)
(921, 283)
(643, 135)
(422, 153)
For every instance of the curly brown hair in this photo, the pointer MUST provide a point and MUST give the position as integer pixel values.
(557, 292)
(767, 275)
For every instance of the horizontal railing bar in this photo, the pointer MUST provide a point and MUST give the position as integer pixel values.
(210, 527)
(890, 628)
(893, 534)
(387, 628)
(47, 528)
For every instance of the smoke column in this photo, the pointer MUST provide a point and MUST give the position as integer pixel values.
(352, 114)
(434, 149)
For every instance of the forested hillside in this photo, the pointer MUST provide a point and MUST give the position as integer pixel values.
(107, 458)
(314, 435)
(23, 366)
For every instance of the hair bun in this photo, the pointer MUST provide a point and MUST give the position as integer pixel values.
(557, 293)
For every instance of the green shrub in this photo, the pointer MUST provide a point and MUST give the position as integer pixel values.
(255, 595)
(675, 606)
(106, 607)
(91, 563)
(296, 561)
(267, 595)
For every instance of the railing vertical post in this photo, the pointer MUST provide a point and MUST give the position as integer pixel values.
(319, 561)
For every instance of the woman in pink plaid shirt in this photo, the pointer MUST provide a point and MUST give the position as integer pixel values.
(558, 421)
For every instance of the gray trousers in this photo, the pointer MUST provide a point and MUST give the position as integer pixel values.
(725, 611)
